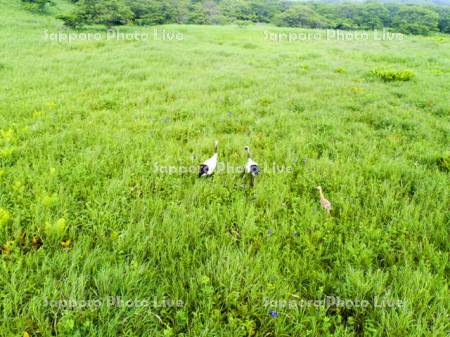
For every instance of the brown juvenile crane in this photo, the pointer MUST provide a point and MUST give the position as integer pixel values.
(326, 204)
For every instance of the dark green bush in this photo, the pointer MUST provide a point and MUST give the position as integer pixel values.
(71, 20)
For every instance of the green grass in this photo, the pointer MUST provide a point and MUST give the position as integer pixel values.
(390, 75)
(84, 124)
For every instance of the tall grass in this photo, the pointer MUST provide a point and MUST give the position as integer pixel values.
(85, 215)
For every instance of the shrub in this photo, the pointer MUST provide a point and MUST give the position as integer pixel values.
(71, 20)
(39, 6)
(106, 12)
(390, 75)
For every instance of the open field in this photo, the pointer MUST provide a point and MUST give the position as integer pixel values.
(91, 133)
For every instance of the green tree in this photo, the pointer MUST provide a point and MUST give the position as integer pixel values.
(338, 16)
(40, 6)
(236, 10)
(155, 12)
(197, 14)
(70, 20)
(213, 13)
(444, 19)
(372, 16)
(106, 12)
(302, 16)
(263, 10)
(416, 20)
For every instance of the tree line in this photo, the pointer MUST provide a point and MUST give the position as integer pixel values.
(399, 17)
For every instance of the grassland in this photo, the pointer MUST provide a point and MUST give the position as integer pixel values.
(84, 126)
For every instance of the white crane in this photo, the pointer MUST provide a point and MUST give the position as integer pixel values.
(251, 167)
(208, 166)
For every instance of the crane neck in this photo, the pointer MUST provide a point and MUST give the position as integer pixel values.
(321, 194)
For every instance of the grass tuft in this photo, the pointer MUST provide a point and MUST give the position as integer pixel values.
(391, 75)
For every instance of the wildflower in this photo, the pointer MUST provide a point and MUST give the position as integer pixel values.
(270, 232)
(66, 243)
(8, 247)
(273, 313)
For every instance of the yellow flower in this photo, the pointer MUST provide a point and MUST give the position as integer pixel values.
(66, 243)
(8, 247)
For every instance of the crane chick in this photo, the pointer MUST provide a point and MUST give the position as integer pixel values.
(325, 203)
